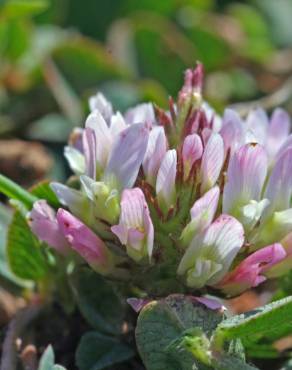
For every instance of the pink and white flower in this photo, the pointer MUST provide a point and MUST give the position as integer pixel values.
(135, 229)
(183, 191)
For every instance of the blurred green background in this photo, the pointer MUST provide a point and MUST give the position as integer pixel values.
(55, 53)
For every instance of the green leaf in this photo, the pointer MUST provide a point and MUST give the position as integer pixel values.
(257, 43)
(22, 8)
(278, 14)
(14, 37)
(24, 250)
(42, 190)
(264, 321)
(47, 360)
(85, 63)
(51, 127)
(5, 272)
(160, 323)
(97, 301)
(96, 351)
(14, 191)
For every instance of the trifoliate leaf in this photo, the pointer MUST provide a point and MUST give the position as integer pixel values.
(25, 256)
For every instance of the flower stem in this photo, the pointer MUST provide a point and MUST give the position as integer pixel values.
(14, 191)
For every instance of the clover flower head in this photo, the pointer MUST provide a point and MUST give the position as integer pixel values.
(182, 196)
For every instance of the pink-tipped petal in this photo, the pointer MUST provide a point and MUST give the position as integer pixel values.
(278, 131)
(232, 131)
(206, 206)
(135, 228)
(85, 242)
(286, 145)
(99, 103)
(251, 271)
(257, 124)
(212, 116)
(156, 149)
(193, 82)
(246, 175)
(211, 253)
(284, 266)
(118, 124)
(279, 187)
(142, 113)
(89, 146)
(127, 155)
(165, 184)
(44, 225)
(96, 122)
(202, 214)
(212, 162)
(192, 150)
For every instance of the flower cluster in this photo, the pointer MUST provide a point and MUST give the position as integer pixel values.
(182, 195)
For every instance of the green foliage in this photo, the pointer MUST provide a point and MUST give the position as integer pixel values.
(257, 44)
(16, 192)
(97, 301)
(5, 272)
(25, 255)
(97, 351)
(278, 15)
(268, 321)
(85, 63)
(54, 128)
(22, 8)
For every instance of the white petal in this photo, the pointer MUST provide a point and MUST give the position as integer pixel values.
(220, 243)
(127, 155)
(165, 184)
(142, 113)
(102, 105)
(118, 124)
(246, 175)
(212, 162)
(278, 131)
(96, 122)
(279, 187)
(257, 123)
(233, 130)
(75, 159)
(156, 149)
